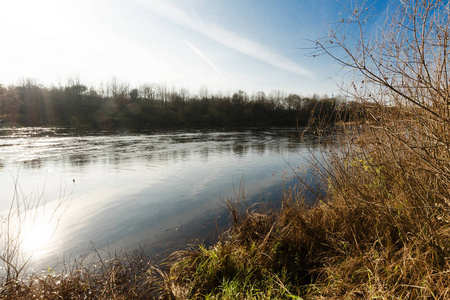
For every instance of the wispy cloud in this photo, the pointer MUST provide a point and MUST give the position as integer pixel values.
(202, 56)
(225, 37)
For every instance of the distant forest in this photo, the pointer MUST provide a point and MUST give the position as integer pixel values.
(117, 106)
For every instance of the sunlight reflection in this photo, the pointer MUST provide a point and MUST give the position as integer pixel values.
(37, 233)
(28, 229)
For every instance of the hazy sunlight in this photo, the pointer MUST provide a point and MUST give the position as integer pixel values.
(37, 233)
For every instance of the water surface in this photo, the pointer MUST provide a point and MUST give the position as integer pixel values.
(160, 189)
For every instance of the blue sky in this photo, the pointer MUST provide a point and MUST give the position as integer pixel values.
(223, 45)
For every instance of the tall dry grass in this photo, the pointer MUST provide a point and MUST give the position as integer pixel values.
(91, 276)
(389, 184)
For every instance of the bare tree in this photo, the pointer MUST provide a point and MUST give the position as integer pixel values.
(400, 72)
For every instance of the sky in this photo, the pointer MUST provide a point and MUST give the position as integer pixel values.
(221, 45)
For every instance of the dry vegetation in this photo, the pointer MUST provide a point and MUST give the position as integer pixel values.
(93, 276)
(383, 230)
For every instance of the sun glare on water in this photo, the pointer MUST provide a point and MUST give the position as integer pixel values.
(27, 235)
(37, 234)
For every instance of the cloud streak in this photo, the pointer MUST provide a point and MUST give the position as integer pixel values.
(202, 56)
(225, 37)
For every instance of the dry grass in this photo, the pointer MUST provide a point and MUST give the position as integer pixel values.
(93, 276)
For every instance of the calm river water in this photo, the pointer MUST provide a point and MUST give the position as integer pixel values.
(158, 189)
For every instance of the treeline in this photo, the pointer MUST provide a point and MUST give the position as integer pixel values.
(154, 106)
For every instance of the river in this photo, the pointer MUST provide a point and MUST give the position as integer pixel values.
(119, 190)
